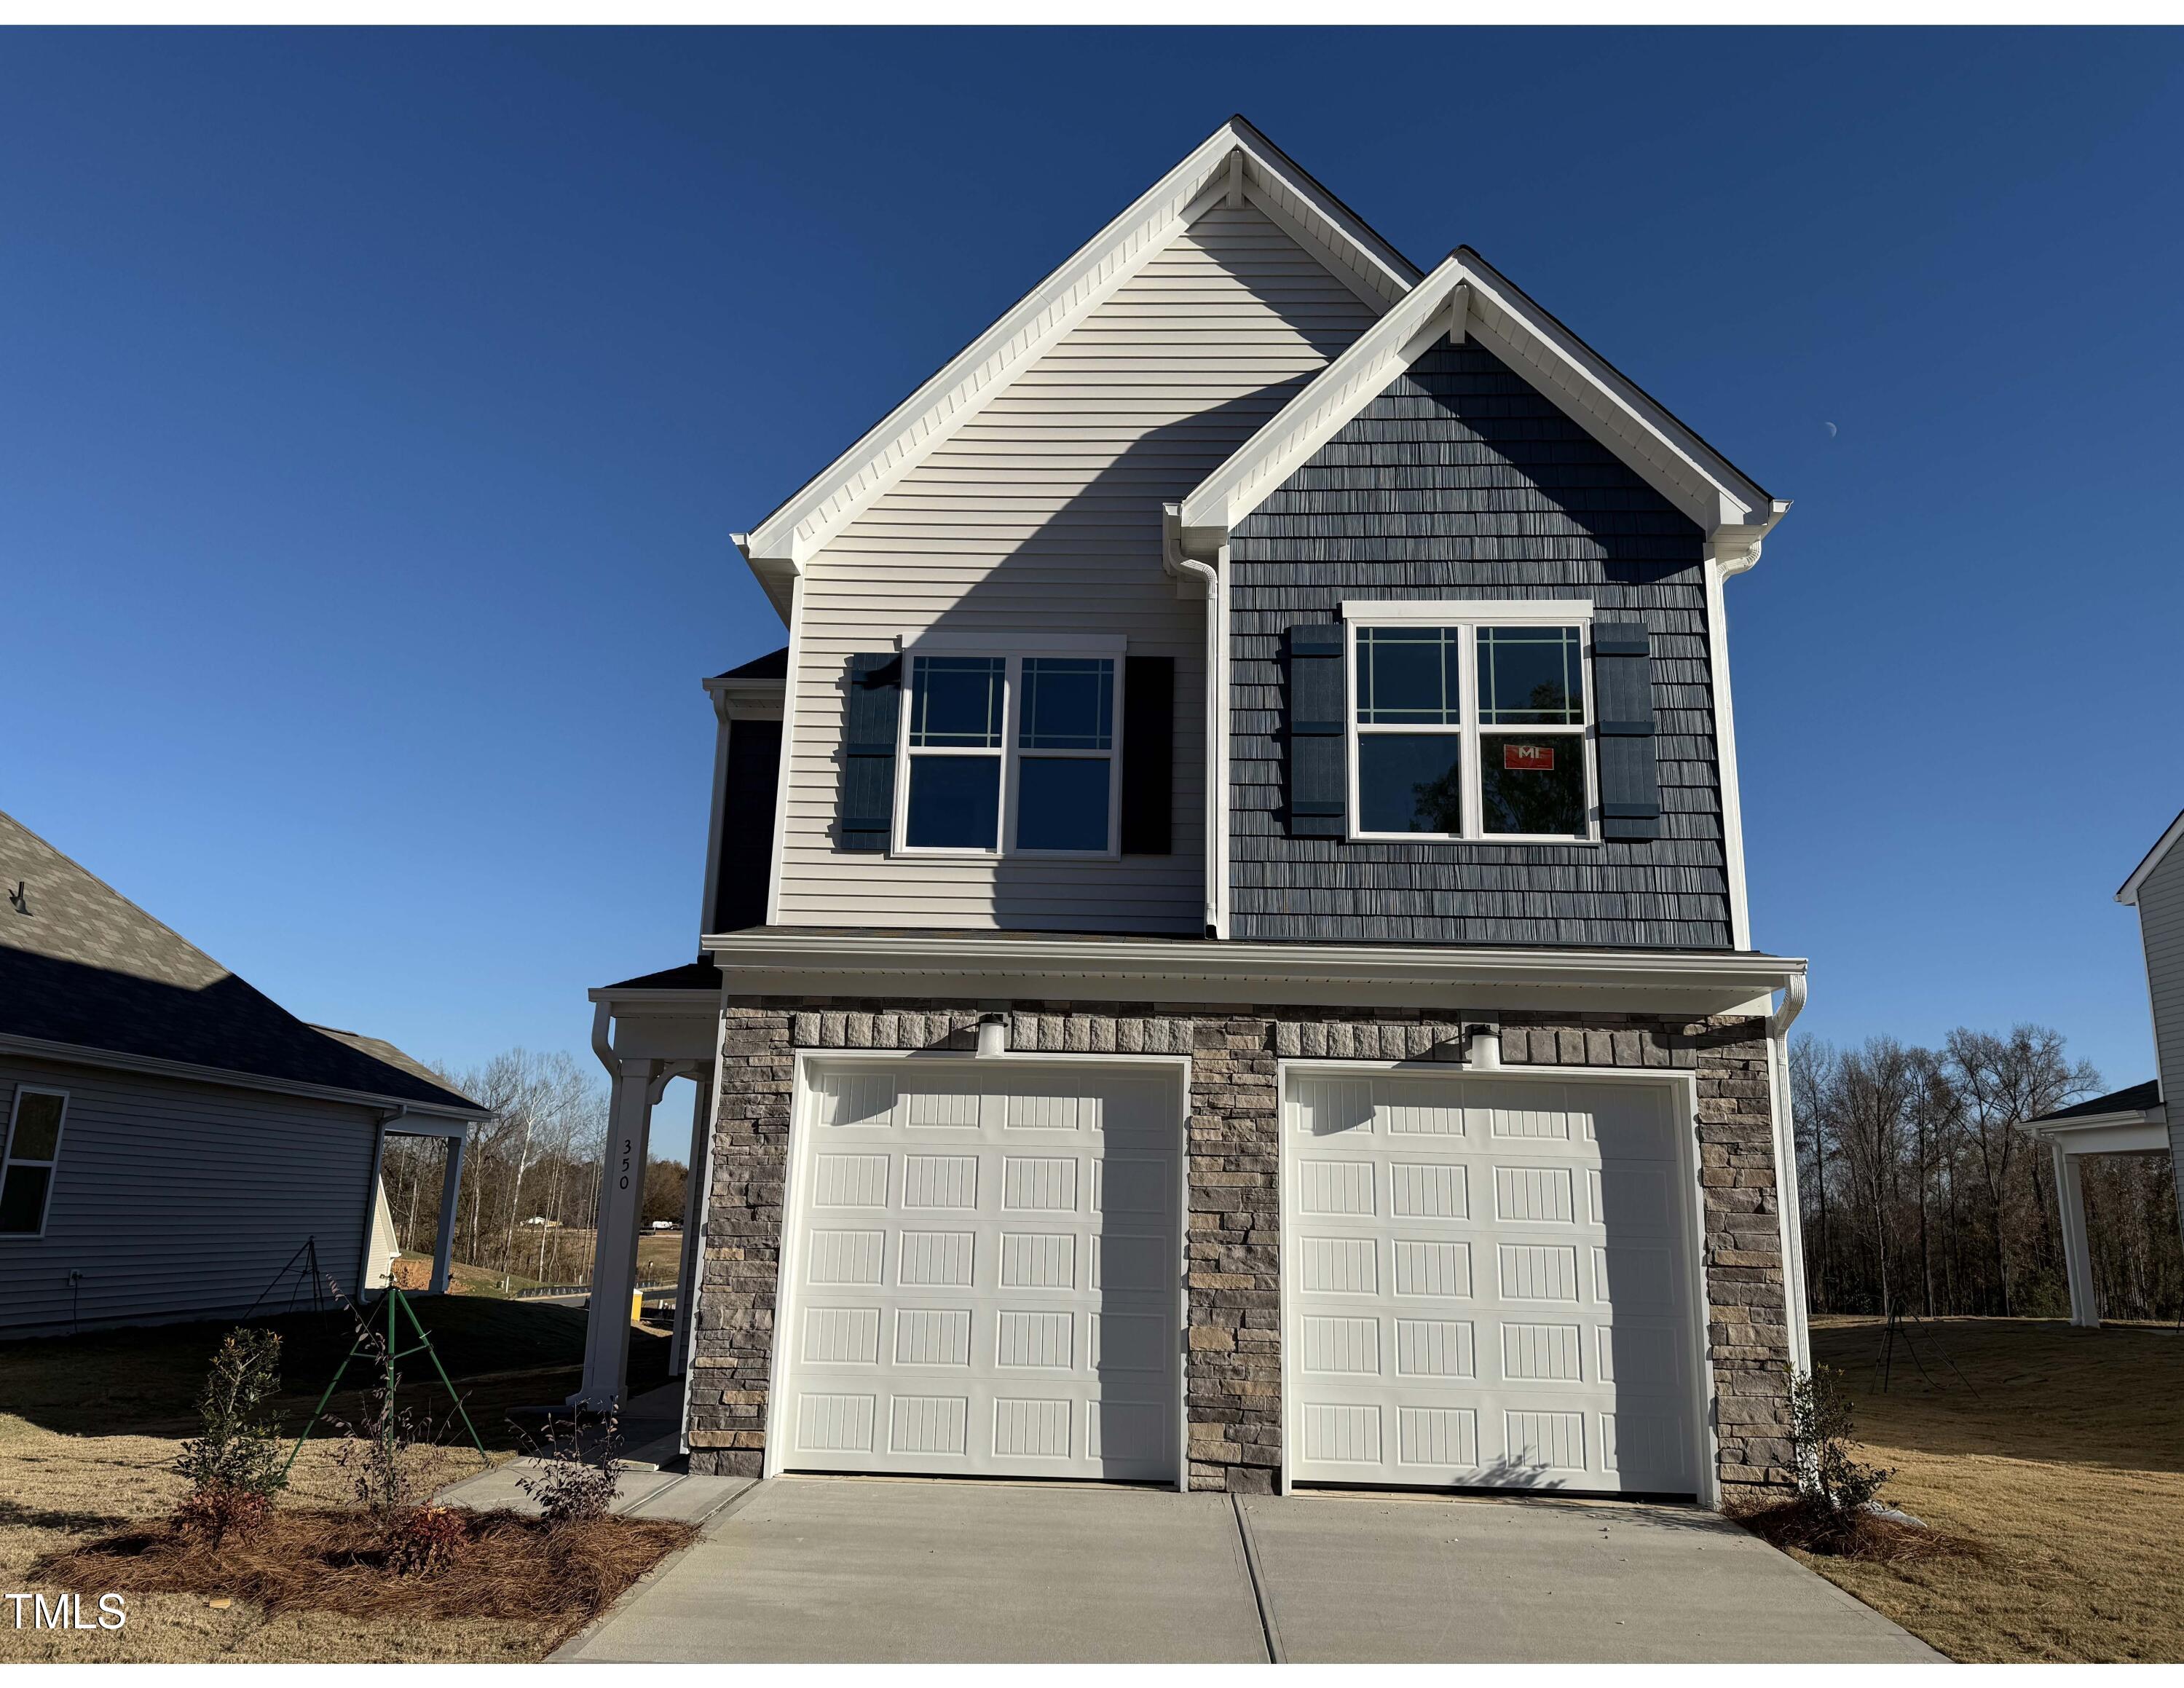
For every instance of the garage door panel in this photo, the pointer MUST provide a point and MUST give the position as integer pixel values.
(962, 1303)
(1482, 1306)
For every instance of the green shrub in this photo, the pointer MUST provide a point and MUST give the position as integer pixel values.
(233, 1463)
(1821, 1422)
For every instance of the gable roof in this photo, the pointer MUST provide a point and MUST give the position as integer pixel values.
(1235, 163)
(82, 968)
(1466, 297)
(2144, 871)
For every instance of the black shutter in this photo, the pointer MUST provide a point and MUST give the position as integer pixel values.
(1149, 755)
(874, 706)
(1318, 699)
(1623, 710)
(747, 825)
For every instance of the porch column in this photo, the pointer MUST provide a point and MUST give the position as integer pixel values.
(451, 1189)
(693, 1245)
(613, 1267)
(2077, 1256)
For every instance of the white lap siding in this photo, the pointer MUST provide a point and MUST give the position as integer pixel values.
(1042, 513)
(175, 1199)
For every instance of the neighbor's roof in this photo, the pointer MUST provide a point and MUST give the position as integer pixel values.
(1466, 297)
(2140, 874)
(82, 966)
(1235, 160)
(2136, 1099)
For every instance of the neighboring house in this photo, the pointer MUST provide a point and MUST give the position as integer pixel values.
(1225, 958)
(174, 1144)
(2135, 1121)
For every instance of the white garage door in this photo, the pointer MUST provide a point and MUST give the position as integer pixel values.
(984, 1271)
(1488, 1282)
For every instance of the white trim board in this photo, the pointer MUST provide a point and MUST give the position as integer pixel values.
(802, 526)
(1466, 298)
(2144, 871)
(1060, 967)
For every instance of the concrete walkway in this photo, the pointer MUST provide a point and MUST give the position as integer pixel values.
(861, 1570)
(638, 1494)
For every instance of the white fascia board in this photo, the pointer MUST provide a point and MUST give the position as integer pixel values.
(2144, 871)
(2139, 1131)
(120, 1060)
(1465, 296)
(747, 699)
(1057, 966)
(1326, 405)
(801, 527)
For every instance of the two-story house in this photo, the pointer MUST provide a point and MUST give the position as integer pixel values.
(1225, 958)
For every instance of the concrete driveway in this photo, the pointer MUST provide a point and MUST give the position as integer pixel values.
(848, 1569)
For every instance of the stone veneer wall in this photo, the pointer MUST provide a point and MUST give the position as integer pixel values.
(1233, 1371)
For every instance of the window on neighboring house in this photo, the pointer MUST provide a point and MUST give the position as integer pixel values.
(32, 1145)
(1469, 729)
(1014, 747)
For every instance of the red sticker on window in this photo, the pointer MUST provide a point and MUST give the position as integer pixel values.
(1539, 758)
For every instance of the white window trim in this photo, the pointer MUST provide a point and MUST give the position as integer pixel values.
(1470, 614)
(1009, 750)
(8, 1158)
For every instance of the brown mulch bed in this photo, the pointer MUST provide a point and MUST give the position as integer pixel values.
(316, 1559)
(1810, 1526)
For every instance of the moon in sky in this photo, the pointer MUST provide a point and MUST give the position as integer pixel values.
(1831, 428)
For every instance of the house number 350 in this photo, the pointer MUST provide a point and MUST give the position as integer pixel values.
(627, 1143)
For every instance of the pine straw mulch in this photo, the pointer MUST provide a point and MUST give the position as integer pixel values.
(1810, 1525)
(321, 1560)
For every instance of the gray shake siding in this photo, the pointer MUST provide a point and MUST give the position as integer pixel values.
(1461, 481)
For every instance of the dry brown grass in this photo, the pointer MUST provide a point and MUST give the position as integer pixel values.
(89, 1426)
(2061, 1455)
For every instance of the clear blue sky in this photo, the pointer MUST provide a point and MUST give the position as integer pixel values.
(375, 408)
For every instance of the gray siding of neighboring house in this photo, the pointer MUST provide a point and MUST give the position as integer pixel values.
(178, 1200)
(1461, 481)
(2161, 926)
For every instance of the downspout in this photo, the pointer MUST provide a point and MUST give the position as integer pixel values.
(1173, 560)
(1790, 1208)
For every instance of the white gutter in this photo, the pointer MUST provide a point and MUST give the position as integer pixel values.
(1789, 1207)
(1173, 560)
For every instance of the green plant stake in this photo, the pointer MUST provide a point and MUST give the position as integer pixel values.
(397, 1304)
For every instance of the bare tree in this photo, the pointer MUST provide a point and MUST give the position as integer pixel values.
(2003, 1083)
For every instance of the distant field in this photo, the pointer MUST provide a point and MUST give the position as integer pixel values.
(2062, 1450)
(659, 1261)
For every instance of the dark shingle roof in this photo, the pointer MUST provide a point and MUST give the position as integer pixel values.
(2137, 1099)
(773, 665)
(690, 976)
(81, 964)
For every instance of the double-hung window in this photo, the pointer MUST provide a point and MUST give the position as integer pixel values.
(1470, 720)
(1009, 755)
(28, 1153)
